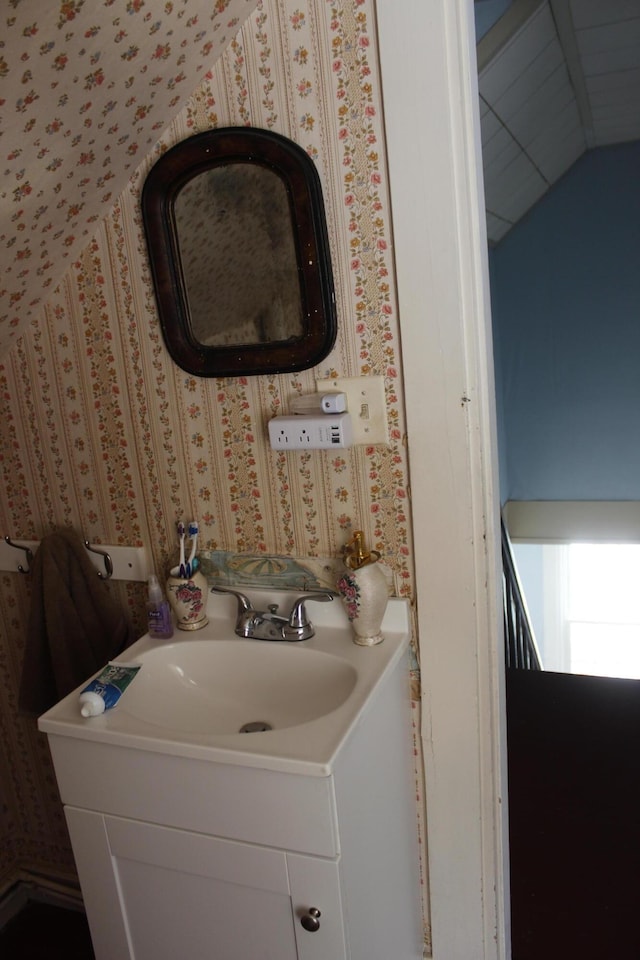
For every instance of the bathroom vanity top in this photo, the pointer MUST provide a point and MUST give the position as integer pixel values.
(196, 693)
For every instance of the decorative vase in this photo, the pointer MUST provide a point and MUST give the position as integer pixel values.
(364, 591)
(188, 599)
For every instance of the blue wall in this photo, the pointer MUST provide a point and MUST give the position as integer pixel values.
(486, 13)
(565, 293)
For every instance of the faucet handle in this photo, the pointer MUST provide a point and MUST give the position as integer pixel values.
(299, 627)
(244, 604)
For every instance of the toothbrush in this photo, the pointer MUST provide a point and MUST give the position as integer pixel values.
(181, 535)
(193, 533)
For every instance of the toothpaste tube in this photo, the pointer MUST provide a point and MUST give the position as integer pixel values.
(105, 691)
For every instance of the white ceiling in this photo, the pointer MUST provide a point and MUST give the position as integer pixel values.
(556, 78)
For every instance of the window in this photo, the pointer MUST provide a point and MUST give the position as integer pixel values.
(584, 600)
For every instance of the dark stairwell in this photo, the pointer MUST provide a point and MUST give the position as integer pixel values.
(574, 796)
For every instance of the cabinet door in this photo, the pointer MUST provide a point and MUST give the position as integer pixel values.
(315, 883)
(186, 894)
(156, 893)
(99, 884)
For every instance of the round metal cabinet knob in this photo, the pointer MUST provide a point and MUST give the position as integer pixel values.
(310, 920)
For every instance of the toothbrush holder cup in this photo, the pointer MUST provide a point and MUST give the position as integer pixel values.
(188, 598)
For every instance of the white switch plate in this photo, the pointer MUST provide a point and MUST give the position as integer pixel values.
(366, 402)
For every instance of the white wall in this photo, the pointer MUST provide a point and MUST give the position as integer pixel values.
(431, 117)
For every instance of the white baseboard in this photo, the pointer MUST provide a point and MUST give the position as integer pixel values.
(12, 903)
(18, 896)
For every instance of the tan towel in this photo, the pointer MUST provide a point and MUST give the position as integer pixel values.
(75, 626)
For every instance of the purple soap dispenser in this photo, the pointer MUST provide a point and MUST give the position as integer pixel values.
(158, 612)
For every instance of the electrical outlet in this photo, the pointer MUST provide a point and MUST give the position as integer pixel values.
(366, 402)
(319, 431)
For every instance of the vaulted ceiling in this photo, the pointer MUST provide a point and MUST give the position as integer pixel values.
(556, 78)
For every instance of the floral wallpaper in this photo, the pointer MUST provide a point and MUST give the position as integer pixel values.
(100, 431)
(85, 91)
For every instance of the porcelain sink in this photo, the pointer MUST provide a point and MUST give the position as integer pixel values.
(196, 692)
(233, 686)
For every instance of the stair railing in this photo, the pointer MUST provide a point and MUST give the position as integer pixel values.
(521, 649)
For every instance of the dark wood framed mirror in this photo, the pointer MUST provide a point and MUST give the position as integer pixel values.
(237, 239)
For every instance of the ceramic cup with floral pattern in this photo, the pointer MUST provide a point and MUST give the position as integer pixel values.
(188, 599)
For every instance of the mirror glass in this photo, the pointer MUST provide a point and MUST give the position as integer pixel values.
(237, 240)
(238, 257)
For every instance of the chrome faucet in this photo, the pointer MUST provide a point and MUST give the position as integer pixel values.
(267, 625)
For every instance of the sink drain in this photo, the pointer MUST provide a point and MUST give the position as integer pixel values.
(255, 726)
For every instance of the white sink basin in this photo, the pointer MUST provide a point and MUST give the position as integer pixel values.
(194, 693)
(222, 686)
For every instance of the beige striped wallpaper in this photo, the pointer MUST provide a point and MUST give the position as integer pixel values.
(100, 431)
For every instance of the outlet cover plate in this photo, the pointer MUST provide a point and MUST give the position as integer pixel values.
(366, 402)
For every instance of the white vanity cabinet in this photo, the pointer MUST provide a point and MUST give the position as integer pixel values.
(155, 892)
(213, 853)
